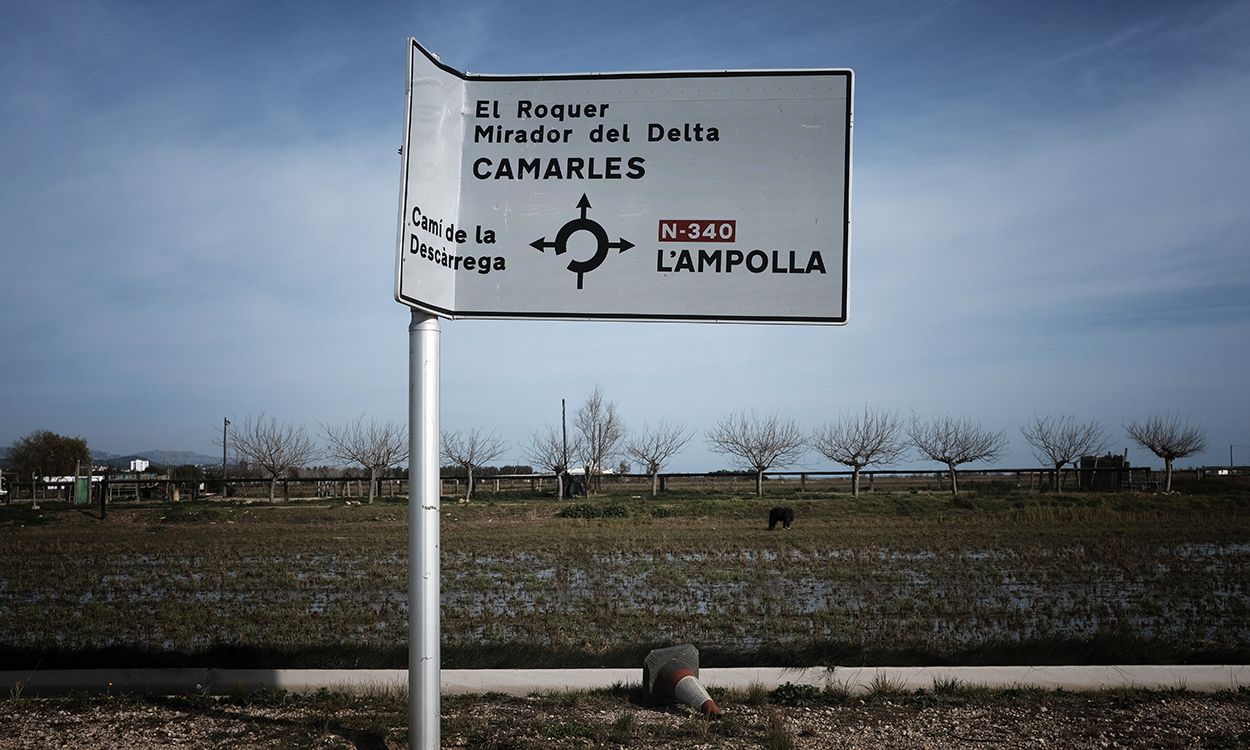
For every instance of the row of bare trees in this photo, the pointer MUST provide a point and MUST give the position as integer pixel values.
(598, 436)
(876, 437)
(880, 438)
(756, 443)
(278, 447)
(873, 437)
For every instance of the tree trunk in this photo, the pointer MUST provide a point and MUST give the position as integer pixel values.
(560, 485)
(468, 486)
(373, 482)
(1167, 482)
(1058, 477)
(273, 487)
(759, 482)
(655, 483)
(854, 481)
(954, 481)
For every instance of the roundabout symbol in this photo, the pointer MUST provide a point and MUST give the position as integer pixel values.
(582, 224)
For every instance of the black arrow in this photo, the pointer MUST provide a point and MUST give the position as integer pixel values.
(622, 244)
(541, 244)
(583, 204)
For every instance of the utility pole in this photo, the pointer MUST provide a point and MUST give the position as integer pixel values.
(564, 447)
(1230, 455)
(225, 426)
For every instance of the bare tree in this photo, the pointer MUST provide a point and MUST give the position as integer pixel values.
(869, 439)
(954, 442)
(276, 447)
(552, 451)
(1168, 437)
(1060, 440)
(758, 443)
(374, 445)
(600, 431)
(471, 450)
(654, 447)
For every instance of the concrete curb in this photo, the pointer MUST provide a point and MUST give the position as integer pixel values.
(1198, 678)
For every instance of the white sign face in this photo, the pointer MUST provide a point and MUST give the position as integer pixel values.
(714, 196)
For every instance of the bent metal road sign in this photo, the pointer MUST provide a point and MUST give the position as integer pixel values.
(687, 196)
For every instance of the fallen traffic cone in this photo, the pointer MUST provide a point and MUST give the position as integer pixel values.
(672, 675)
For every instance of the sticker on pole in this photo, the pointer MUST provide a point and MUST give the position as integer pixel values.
(683, 196)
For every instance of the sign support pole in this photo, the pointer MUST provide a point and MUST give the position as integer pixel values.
(424, 601)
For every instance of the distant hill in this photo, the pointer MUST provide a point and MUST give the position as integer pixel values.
(178, 458)
(158, 457)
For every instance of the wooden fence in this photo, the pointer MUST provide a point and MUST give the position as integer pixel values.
(128, 487)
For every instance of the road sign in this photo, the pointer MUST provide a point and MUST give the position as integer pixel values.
(697, 196)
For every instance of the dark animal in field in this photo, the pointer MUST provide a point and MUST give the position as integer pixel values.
(784, 516)
(574, 486)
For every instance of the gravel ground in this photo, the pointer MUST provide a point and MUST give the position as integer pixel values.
(1003, 719)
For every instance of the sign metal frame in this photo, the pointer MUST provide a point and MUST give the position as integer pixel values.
(454, 311)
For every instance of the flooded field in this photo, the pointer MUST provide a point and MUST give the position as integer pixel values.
(902, 578)
(874, 597)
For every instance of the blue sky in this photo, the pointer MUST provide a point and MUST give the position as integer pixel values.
(199, 198)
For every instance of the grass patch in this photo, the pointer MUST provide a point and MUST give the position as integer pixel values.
(790, 694)
(185, 514)
(757, 694)
(624, 728)
(589, 510)
(778, 735)
(883, 687)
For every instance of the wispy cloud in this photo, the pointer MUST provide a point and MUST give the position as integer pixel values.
(199, 204)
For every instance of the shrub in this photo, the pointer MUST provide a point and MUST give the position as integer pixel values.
(586, 510)
(790, 694)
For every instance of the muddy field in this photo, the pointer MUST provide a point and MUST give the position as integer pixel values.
(890, 578)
